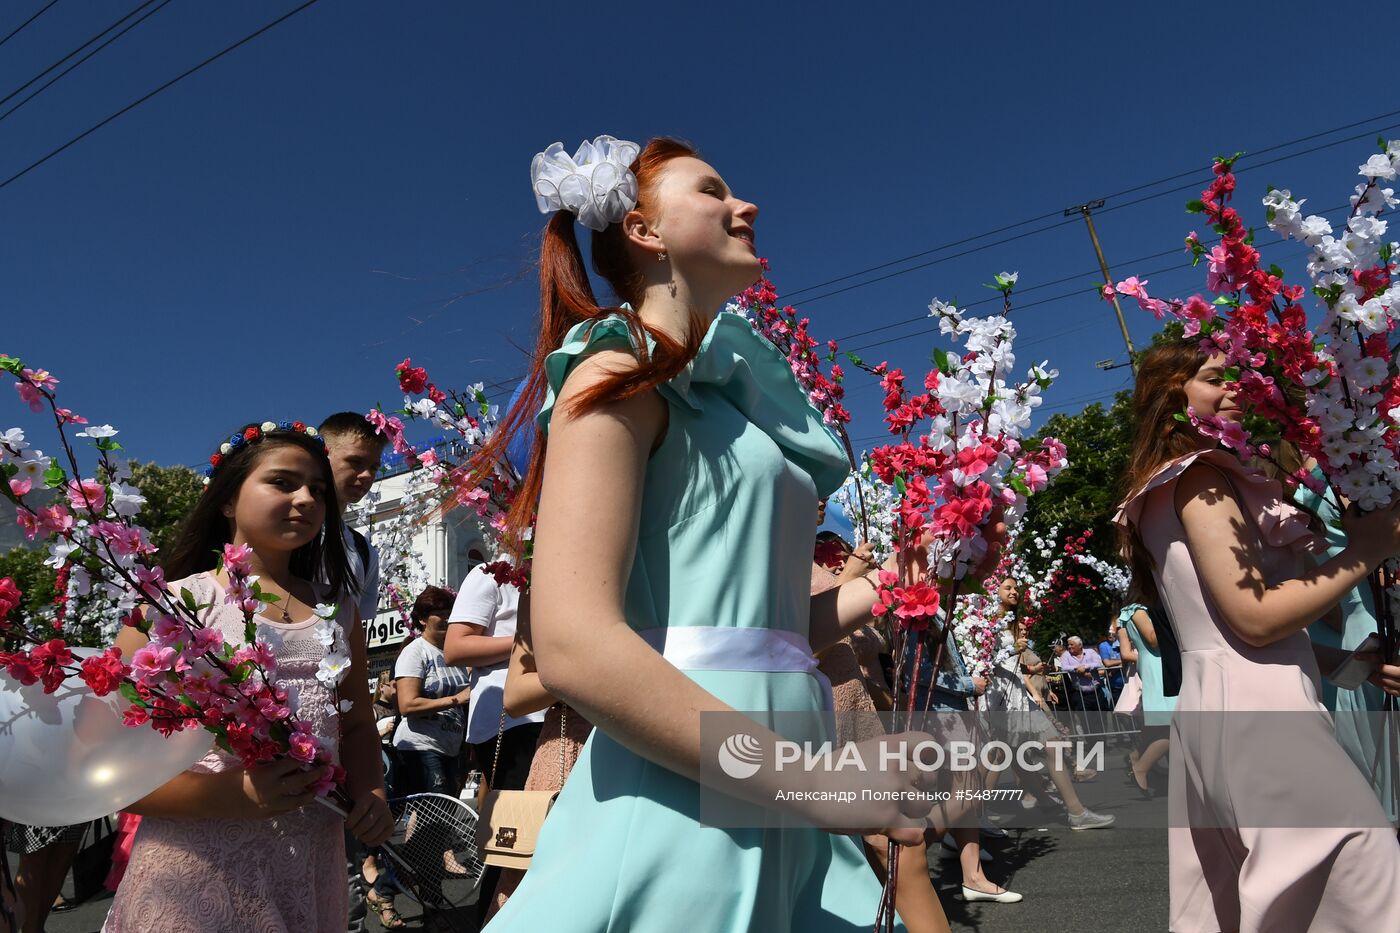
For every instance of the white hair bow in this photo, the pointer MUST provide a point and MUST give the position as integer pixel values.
(596, 185)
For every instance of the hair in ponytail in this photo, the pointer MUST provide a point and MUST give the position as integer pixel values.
(566, 298)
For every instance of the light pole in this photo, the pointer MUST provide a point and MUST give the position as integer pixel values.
(1087, 210)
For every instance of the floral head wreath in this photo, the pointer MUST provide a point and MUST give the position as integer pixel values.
(596, 185)
(252, 434)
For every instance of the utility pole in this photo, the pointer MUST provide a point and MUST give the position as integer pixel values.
(1087, 210)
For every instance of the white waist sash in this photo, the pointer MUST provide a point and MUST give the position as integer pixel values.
(712, 648)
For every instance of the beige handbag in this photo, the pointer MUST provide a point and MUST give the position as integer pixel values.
(509, 821)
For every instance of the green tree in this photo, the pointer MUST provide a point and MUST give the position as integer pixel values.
(170, 491)
(1084, 497)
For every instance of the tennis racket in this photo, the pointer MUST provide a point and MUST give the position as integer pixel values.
(432, 850)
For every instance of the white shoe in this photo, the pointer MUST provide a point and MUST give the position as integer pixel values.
(1005, 897)
(1090, 820)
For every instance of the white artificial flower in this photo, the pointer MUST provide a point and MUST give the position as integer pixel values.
(1378, 166)
(126, 500)
(333, 668)
(33, 466)
(1312, 229)
(97, 431)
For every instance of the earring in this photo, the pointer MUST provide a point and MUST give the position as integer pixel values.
(661, 256)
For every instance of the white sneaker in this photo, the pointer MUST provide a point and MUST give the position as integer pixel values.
(1090, 820)
(1005, 897)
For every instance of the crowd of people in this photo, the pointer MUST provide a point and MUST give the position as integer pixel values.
(672, 484)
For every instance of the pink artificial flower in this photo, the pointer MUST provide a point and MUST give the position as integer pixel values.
(412, 379)
(302, 747)
(87, 495)
(30, 396)
(151, 661)
(54, 519)
(66, 416)
(151, 581)
(28, 521)
(51, 657)
(104, 672)
(428, 458)
(238, 559)
(206, 641)
(1132, 286)
(20, 486)
(167, 629)
(259, 653)
(40, 378)
(1035, 477)
(918, 605)
(10, 596)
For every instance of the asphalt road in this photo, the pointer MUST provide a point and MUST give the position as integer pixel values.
(1104, 881)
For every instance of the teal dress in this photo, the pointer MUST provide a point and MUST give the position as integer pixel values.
(728, 507)
(1355, 713)
(1157, 707)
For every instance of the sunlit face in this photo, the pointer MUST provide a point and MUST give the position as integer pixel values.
(707, 231)
(354, 461)
(281, 504)
(1206, 394)
(1007, 593)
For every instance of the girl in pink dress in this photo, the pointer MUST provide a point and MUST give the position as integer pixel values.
(1258, 782)
(221, 847)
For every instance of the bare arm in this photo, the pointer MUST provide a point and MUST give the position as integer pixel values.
(1126, 649)
(1142, 620)
(413, 703)
(585, 652)
(1225, 546)
(467, 645)
(524, 693)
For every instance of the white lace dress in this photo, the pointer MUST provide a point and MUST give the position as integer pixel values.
(282, 875)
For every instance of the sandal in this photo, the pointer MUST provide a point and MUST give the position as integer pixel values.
(389, 917)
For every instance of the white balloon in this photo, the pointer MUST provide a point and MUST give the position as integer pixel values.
(66, 757)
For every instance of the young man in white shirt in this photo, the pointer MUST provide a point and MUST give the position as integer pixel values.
(355, 451)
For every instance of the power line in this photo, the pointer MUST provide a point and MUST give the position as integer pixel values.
(14, 32)
(58, 77)
(141, 100)
(1116, 194)
(137, 9)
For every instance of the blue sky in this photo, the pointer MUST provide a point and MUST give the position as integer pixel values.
(266, 239)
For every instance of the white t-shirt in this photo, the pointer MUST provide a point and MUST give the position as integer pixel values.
(367, 577)
(435, 732)
(483, 601)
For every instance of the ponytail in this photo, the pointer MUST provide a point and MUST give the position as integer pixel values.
(566, 299)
